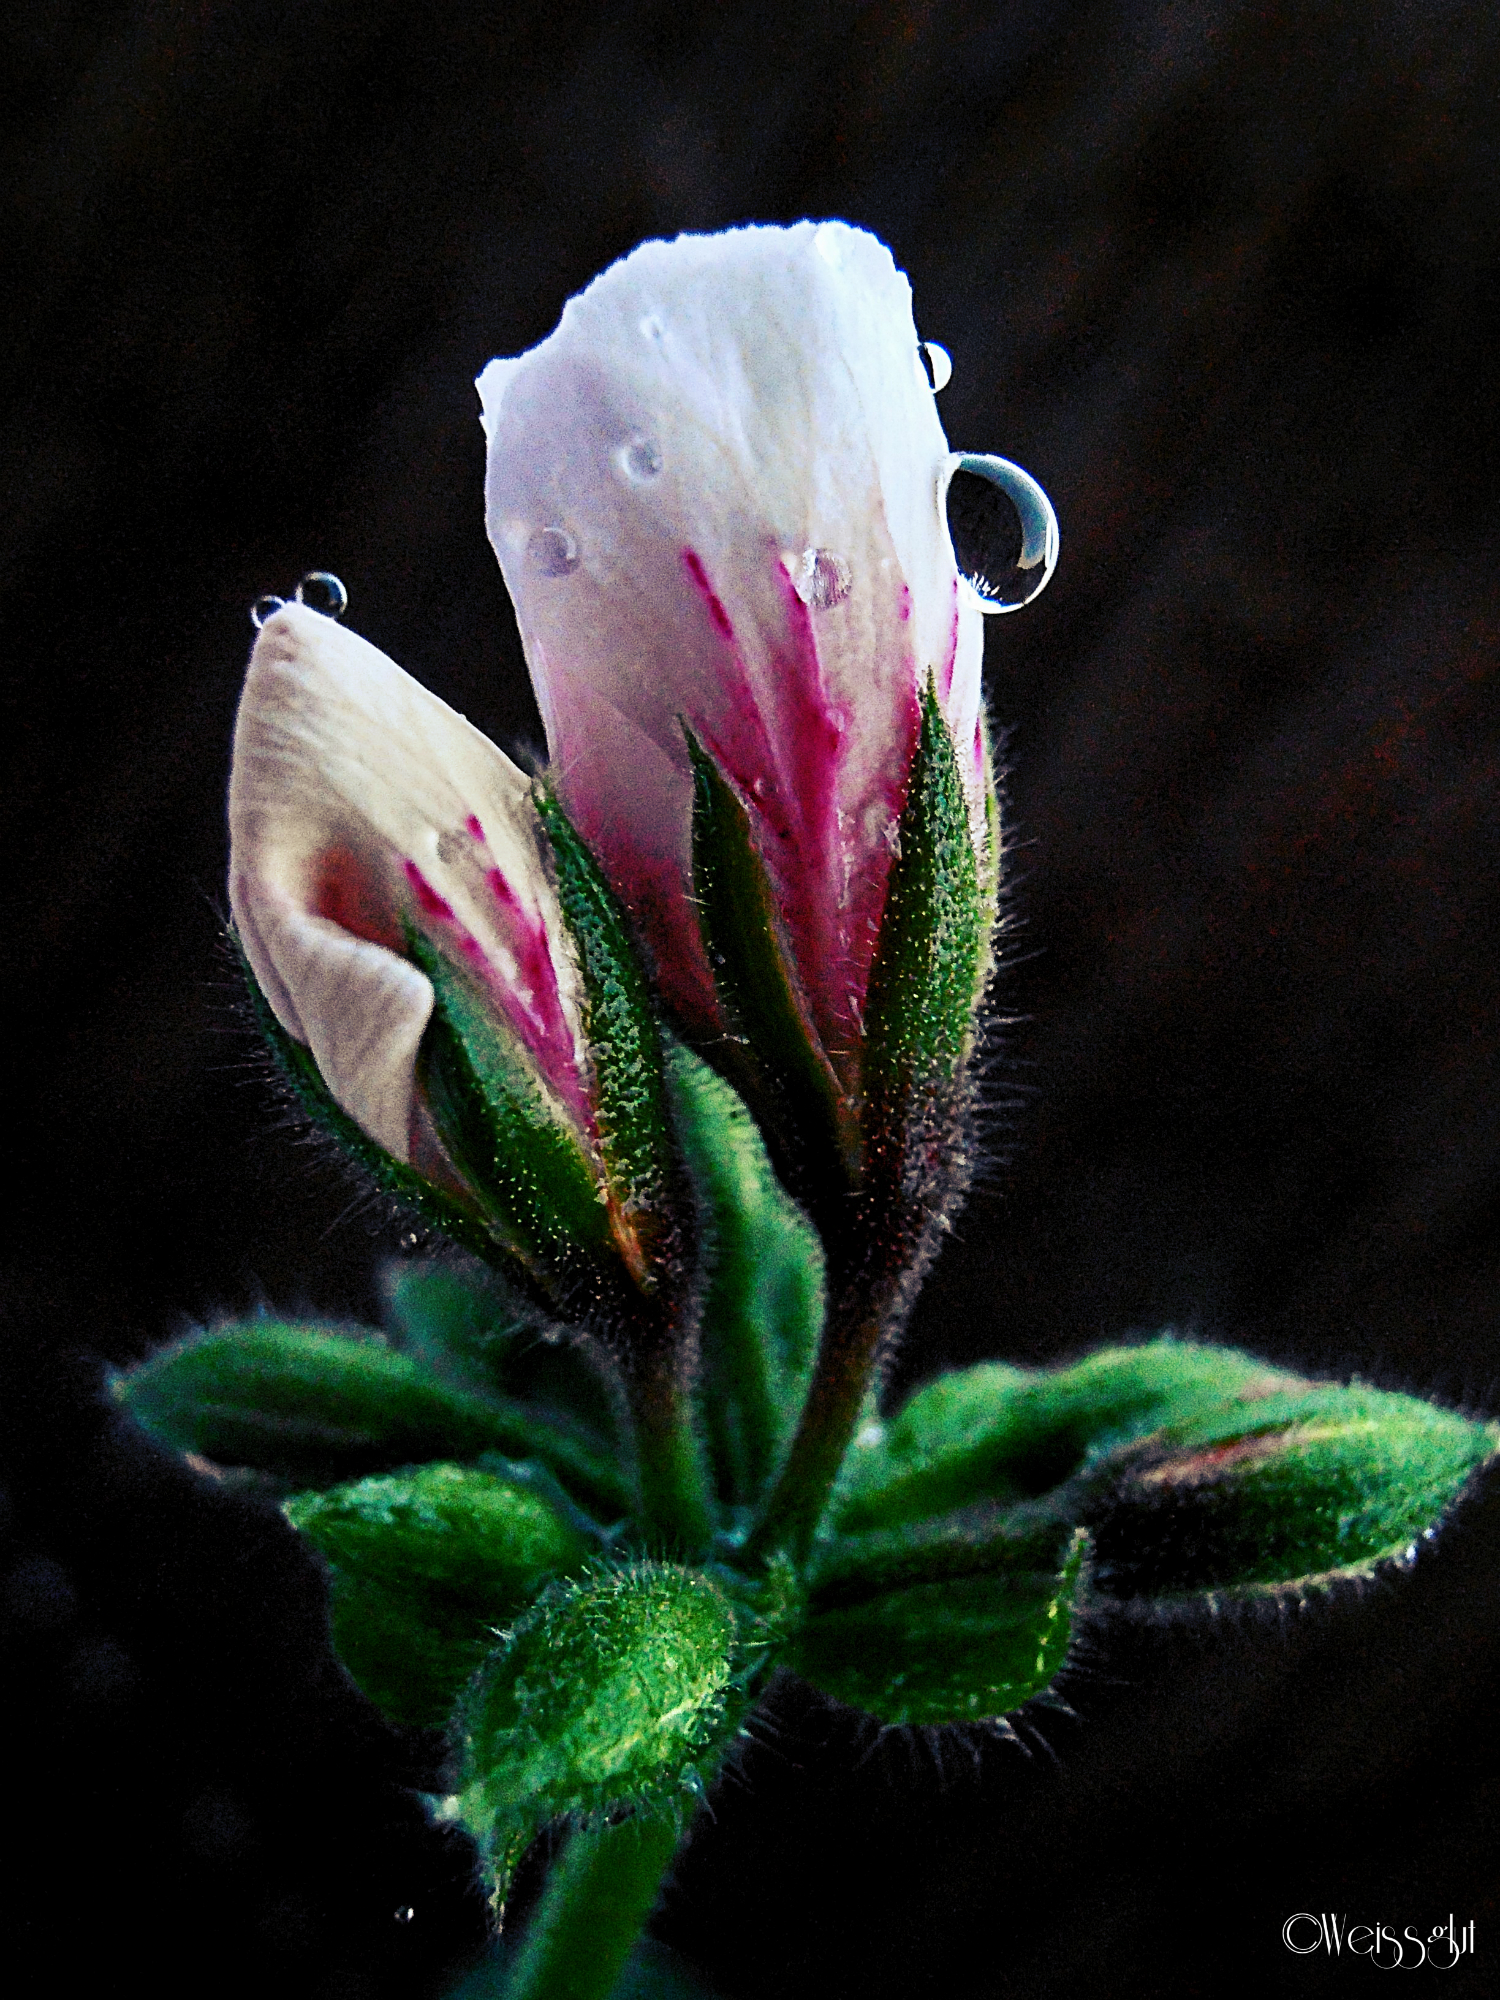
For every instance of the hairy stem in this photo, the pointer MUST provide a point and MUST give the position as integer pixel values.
(674, 1486)
(595, 1906)
(851, 1343)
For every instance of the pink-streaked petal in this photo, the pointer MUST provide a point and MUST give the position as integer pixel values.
(776, 376)
(360, 804)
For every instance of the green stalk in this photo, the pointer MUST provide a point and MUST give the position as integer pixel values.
(674, 1486)
(595, 1906)
(851, 1342)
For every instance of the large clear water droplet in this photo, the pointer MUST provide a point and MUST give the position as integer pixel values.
(937, 365)
(1003, 529)
(552, 552)
(640, 459)
(321, 591)
(822, 579)
(404, 1913)
(265, 607)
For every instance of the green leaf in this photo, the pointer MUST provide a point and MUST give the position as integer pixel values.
(1297, 1488)
(460, 1319)
(761, 1285)
(316, 1405)
(963, 1649)
(518, 1151)
(630, 1098)
(777, 1058)
(996, 1433)
(427, 1566)
(931, 964)
(612, 1690)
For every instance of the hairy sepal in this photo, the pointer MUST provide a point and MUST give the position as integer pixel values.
(316, 1406)
(1307, 1487)
(925, 987)
(453, 1215)
(993, 1433)
(625, 1051)
(519, 1155)
(459, 1318)
(958, 1648)
(426, 1567)
(760, 1279)
(616, 1690)
(773, 1054)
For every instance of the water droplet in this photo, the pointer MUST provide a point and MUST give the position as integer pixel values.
(937, 365)
(640, 459)
(823, 579)
(405, 1914)
(552, 552)
(263, 608)
(320, 590)
(1003, 529)
(652, 329)
(410, 1239)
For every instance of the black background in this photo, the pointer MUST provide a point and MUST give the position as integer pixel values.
(1227, 279)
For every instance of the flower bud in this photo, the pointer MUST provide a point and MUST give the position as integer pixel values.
(717, 494)
(402, 912)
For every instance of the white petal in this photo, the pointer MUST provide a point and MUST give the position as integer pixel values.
(358, 801)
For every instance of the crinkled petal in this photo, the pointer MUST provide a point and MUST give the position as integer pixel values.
(715, 492)
(360, 804)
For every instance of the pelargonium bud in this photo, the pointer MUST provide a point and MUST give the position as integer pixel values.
(717, 495)
(402, 910)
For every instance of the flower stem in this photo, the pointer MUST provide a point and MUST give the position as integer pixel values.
(674, 1488)
(595, 1906)
(851, 1342)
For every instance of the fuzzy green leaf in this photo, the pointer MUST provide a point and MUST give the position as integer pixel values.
(630, 1098)
(317, 1405)
(777, 1057)
(1296, 1488)
(612, 1690)
(460, 1319)
(931, 963)
(427, 1567)
(963, 1649)
(995, 1433)
(518, 1152)
(762, 1285)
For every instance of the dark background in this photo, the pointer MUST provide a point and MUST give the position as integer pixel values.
(1227, 279)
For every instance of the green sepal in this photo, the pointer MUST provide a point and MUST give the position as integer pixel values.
(930, 966)
(624, 1041)
(962, 1649)
(613, 1690)
(761, 1285)
(299, 1071)
(316, 1405)
(518, 1152)
(775, 1057)
(981, 1540)
(1295, 1489)
(460, 1319)
(996, 1433)
(427, 1567)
